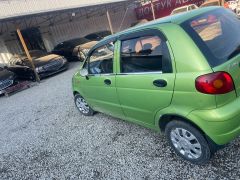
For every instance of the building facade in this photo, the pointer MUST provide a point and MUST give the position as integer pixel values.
(46, 23)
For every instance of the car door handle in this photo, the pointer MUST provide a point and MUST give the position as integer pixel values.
(107, 82)
(160, 83)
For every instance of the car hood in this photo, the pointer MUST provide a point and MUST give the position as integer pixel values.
(5, 74)
(44, 60)
(87, 45)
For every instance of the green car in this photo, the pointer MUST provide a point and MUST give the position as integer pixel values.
(179, 75)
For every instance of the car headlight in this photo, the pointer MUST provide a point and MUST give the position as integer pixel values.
(39, 69)
(64, 60)
(11, 77)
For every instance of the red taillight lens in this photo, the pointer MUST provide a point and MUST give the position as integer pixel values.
(215, 83)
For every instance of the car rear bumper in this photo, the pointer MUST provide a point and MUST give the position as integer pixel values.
(222, 125)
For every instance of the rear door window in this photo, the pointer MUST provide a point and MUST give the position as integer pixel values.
(145, 54)
(217, 34)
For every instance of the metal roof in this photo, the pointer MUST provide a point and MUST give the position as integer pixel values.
(18, 8)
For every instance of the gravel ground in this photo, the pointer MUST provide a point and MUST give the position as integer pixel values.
(43, 136)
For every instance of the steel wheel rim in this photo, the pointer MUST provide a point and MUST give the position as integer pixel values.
(186, 143)
(82, 105)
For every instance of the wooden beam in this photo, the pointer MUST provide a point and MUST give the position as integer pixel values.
(124, 17)
(153, 11)
(109, 22)
(27, 53)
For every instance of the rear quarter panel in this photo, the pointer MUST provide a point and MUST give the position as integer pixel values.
(190, 63)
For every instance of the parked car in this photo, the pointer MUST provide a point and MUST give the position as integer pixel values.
(184, 9)
(67, 48)
(238, 8)
(22, 72)
(188, 88)
(7, 79)
(215, 3)
(83, 49)
(232, 5)
(45, 64)
(139, 22)
(97, 36)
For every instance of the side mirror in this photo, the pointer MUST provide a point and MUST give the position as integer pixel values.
(84, 72)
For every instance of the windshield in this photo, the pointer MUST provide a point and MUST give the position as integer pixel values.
(210, 4)
(176, 11)
(217, 34)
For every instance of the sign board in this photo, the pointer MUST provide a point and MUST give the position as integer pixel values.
(163, 8)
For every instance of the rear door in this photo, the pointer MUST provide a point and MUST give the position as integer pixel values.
(145, 78)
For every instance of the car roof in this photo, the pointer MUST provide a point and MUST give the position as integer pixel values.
(209, 2)
(182, 7)
(176, 19)
(75, 41)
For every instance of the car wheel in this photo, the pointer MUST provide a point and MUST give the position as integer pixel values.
(83, 106)
(188, 142)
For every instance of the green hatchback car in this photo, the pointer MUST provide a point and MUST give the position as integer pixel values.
(179, 75)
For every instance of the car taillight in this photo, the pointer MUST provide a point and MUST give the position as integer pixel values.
(215, 83)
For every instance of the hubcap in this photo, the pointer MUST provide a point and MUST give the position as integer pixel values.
(82, 105)
(186, 143)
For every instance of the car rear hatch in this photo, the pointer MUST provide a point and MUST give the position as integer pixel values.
(217, 34)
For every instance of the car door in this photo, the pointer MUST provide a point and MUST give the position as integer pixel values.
(99, 87)
(145, 78)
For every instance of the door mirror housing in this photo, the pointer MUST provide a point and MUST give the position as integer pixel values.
(84, 72)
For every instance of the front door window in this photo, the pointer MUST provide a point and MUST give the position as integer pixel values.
(101, 60)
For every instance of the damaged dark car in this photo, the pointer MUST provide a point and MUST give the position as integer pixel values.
(75, 49)
(7, 79)
(45, 64)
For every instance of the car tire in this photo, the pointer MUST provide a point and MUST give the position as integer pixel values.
(188, 142)
(83, 106)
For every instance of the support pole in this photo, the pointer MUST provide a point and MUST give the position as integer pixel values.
(153, 11)
(27, 53)
(109, 22)
(124, 17)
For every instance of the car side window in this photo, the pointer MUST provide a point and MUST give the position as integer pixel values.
(145, 54)
(101, 60)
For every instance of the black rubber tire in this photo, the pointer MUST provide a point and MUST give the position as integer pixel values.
(90, 112)
(206, 151)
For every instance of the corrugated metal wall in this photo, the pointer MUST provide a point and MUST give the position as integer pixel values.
(4, 53)
(18, 7)
(83, 27)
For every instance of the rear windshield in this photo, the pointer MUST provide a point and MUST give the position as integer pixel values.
(217, 34)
